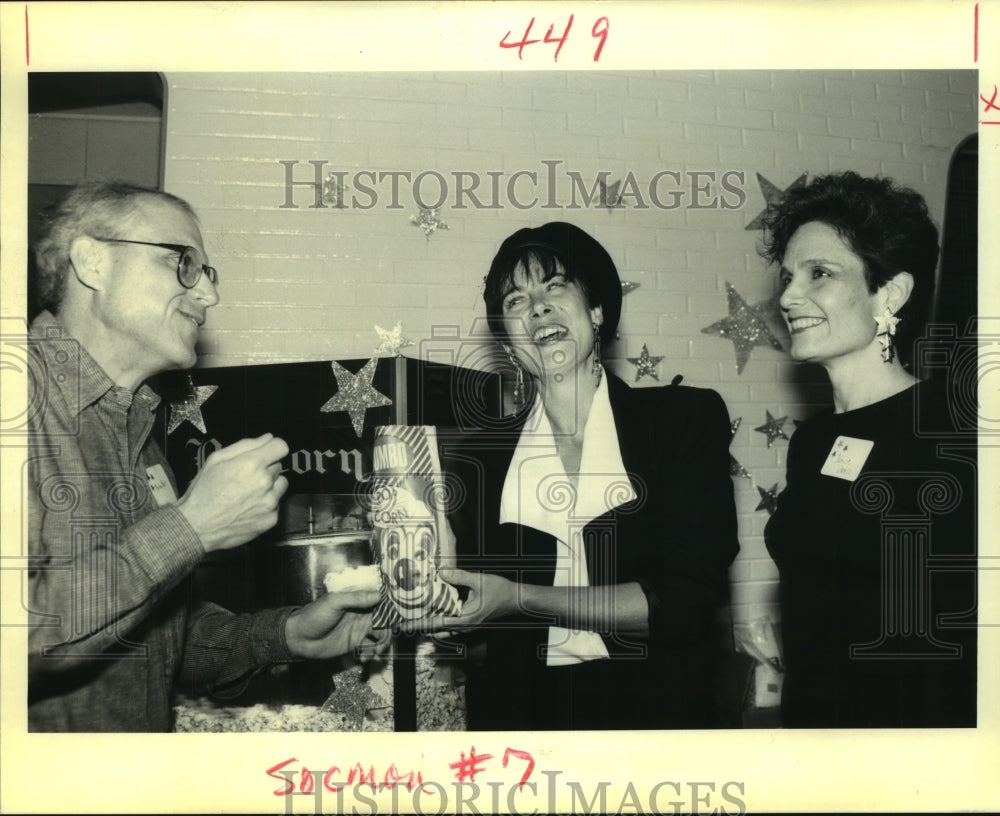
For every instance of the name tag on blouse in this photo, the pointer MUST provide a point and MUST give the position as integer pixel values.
(159, 486)
(847, 456)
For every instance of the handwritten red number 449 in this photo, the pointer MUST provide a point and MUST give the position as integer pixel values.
(599, 31)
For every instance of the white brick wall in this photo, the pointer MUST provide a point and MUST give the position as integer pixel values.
(312, 284)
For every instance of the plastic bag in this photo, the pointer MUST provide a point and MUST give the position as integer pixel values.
(760, 640)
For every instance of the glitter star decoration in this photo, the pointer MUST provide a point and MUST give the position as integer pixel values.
(355, 393)
(353, 697)
(189, 409)
(768, 499)
(333, 191)
(745, 326)
(773, 196)
(428, 221)
(735, 468)
(772, 428)
(611, 195)
(645, 364)
(392, 340)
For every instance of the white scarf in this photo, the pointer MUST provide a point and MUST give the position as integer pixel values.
(537, 493)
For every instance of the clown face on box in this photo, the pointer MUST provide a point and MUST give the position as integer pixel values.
(405, 495)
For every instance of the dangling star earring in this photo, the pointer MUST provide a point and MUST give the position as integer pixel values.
(886, 334)
(595, 368)
(518, 379)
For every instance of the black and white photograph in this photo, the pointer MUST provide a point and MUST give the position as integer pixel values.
(526, 419)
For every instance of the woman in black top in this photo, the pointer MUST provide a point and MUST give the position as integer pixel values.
(597, 525)
(874, 535)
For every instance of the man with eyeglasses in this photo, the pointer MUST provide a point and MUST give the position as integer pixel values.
(123, 277)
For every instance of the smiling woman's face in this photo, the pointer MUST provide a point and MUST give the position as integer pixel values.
(549, 322)
(824, 296)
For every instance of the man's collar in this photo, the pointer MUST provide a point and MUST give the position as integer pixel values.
(76, 375)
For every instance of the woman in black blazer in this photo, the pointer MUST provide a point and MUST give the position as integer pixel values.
(596, 526)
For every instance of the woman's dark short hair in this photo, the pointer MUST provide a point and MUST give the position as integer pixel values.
(556, 246)
(101, 209)
(884, 224)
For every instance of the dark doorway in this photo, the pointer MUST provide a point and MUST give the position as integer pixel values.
(90, 126)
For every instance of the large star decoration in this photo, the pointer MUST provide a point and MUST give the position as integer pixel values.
(189, 409)
(353, 697)
(772, 428)
(735, 468)
(611, 195)
(745, 327)
(645, 364)
(768, 499)
(392, 340)
(355, 393)
(428, 221)
(773, 196)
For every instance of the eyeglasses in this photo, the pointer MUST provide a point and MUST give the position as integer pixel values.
(189, 271)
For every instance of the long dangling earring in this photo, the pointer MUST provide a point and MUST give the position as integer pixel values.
(595, 368)
(886, 334)
(518, 379)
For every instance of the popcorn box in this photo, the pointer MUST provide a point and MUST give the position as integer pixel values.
(408, 503)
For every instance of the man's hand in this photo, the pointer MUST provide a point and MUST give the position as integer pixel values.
(234, 497)
(332, 625)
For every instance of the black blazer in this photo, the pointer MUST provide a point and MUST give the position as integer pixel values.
(676, 539)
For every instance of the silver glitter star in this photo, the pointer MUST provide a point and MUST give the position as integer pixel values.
(768, 499)
(355, 393)
(745, 327)
(611, 195)
(735, 468)
(428, 221)
(352, 696)
(645, 364)
(189, 409)
(392, 341)
(773, 196)
(333, 192)
(772, 428)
